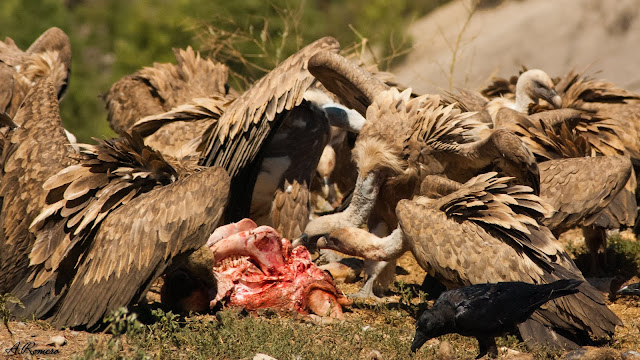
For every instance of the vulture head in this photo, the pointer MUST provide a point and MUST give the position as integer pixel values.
(532, 86)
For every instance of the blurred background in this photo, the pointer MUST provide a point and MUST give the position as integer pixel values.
(429, 44)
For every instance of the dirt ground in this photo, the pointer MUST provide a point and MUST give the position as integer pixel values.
(39, 336)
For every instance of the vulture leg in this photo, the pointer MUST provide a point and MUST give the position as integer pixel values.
(379, 274)
(595, 238)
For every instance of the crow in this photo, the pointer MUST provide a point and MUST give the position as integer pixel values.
(485, 311)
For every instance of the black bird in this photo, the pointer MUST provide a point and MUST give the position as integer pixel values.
(631, 289)
(485, 311)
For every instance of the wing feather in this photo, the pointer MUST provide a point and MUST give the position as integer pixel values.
(235, 140)
(35, 152)
(109, 277)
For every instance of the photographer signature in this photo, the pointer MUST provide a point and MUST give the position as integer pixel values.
(29, 348)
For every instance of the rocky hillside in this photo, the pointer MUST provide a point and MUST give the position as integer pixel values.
(501, 36)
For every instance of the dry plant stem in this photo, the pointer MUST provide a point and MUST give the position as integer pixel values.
(456, 48)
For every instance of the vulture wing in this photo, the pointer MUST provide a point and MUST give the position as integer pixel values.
(33, 152)
(235, 140)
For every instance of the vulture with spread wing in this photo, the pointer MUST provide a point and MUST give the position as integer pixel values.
(269, 139)
(91, 231)
(405, 138)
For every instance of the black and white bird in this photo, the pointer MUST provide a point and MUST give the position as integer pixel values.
(485, 311)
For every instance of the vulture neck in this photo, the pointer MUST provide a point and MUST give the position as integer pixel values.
(364, 197)
(359, 242)
(357, 213)
(388, 248)
(523, 99)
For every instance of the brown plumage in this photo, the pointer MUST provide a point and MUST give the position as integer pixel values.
(585, 192)
(604, 100)
(290, 211)
(269, 122)
(580, 188)
(112, 219)
(177, 132)
(239, 134)
(587, 189)
(33, 153)
(458, 236)
(407, 137)
(170, 95)
(48, 56)
(270, 135)
(412, 137)
(290, 158)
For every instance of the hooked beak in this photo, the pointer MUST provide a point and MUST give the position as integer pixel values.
(629, 290)
(326, 184)
(554, 99)
(302, 240)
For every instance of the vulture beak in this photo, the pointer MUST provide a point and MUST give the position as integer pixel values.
(554, 99)
(326, 184)
(302, 240)
(633, 289)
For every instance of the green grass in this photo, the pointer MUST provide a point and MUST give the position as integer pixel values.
(385, 328)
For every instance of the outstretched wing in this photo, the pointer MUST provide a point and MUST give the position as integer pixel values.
(79, 197)
(234, 141)
(33, 153)
(137, 242)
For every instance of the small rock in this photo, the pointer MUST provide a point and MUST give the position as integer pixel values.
(630, 355)
(366, 327)
(592, 353)
(20, 324)
(57, 341)
(260, 356)
(375, 355)
(432, 342)
(514, 354)
(445, 351)
(519, 356)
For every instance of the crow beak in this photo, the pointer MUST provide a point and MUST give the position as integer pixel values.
(418, 341)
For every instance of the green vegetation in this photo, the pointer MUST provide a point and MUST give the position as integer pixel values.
(5, 301)
(112, 38)
(232, 334)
